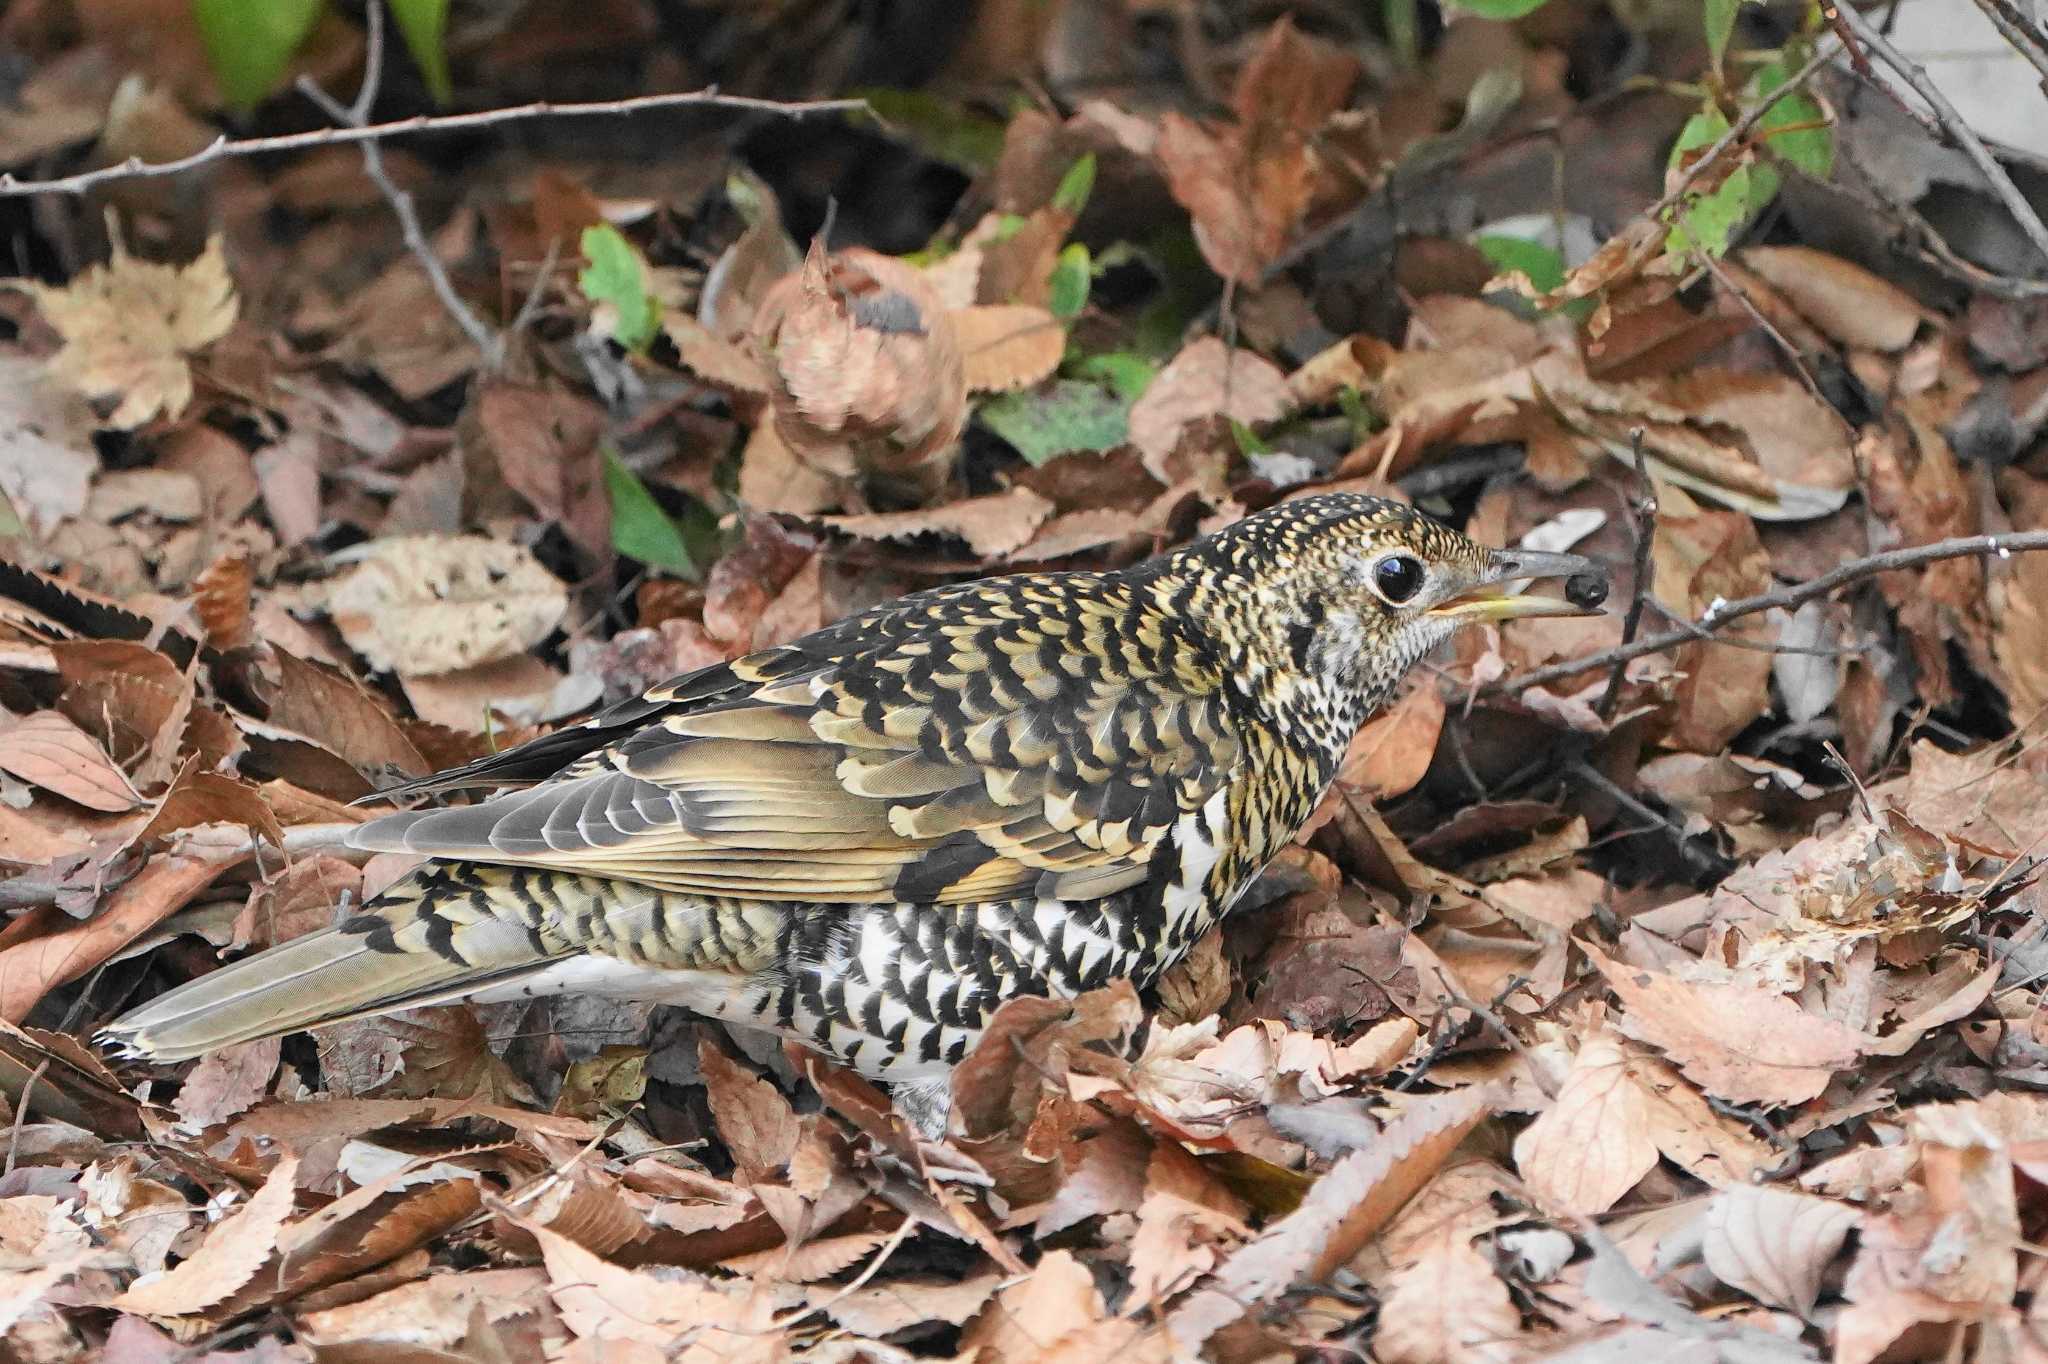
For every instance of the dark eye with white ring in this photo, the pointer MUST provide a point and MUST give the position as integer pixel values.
(1397, 578)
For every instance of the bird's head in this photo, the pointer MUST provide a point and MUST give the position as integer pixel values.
(1351, 591)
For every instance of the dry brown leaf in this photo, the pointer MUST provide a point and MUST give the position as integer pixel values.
(1106, 1174)
(197, 797)
(1185, 1215)
(602, 1302)
(811, 1261)
(1246, 185)
(45, 749)
(1449, 1307)
(756, 1123)
(1392, 754)
(543, 441)
(1206, 380)
(227, 1082)
(491, 697)
(433, 1312)
(131, 326)
(884, 1309)
(2018, 591)
(773, 479)
(1739, 1043)
(1027, 1320)
(47, 458)
(992, 526)
(238, 1246)
(32, 966)
(729, 365)
(1342, 1210)
(1853, 306)
(428, 604)
(867, 365)
(1691, 1134)
(1775, 1245)
(220, 598)
(327, 707)
(1592, 1145)
(1008, 345)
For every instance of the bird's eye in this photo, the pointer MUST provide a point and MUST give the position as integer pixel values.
(1397, 577)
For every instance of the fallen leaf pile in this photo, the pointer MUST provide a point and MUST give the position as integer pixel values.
(1686, 1006)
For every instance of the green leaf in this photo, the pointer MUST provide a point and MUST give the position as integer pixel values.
(1708, 222)
(1542, 264)
(1249, 442)
(1719, 19)
(640, 528)
(939, 128)
(616, 276)
(1058, 418)
(1071, 279)
(1404, 32)
(250, 42)
(1499, 9)
(424, 26)
(1072, 194)
(1794, 127)
(1129, 374)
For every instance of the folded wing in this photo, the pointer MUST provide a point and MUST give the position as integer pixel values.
(1004, 738)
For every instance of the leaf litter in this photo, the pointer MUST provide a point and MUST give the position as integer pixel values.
(1689, 1006)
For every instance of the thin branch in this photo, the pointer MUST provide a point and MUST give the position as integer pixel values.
(1700, 859)
(2014, 28)
(357, 115)
(1721, 613)
(1643, 512)
(1770, 329)
(224, 147)
(1953, 129)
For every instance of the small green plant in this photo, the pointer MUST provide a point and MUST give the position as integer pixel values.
(251, 43)
(640, 528)
(617, 276)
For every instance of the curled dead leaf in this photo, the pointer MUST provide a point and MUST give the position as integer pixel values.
(868, 376)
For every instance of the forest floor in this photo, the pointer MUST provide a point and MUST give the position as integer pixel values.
(1661, 985)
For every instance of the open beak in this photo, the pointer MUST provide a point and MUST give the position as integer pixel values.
(1493, 598)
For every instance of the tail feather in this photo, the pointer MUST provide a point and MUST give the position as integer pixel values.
(432, 938)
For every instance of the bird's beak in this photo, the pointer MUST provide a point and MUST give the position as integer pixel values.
(1490, 599)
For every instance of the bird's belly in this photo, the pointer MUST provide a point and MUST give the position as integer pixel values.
(901, 992)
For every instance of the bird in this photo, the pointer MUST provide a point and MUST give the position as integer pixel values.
(869, 838)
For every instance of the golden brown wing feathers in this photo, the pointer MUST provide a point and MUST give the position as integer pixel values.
(987, 741)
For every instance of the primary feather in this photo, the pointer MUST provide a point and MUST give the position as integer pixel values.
(872, 836)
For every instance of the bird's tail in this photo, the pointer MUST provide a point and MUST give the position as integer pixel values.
(445, 933)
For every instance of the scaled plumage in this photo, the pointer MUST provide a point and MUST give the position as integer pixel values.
(871, 837)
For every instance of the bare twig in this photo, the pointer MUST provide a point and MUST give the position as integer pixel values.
(1701, 860)
(1770, 328)
(530, 309)
(1643, 513)
(223, 147)
(1721, 613)
(2012, 25)
(1950, 125)
(357, 115)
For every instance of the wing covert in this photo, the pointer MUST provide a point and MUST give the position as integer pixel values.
(986, 741)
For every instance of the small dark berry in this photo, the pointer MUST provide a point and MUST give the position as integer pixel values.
(1586, 589)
